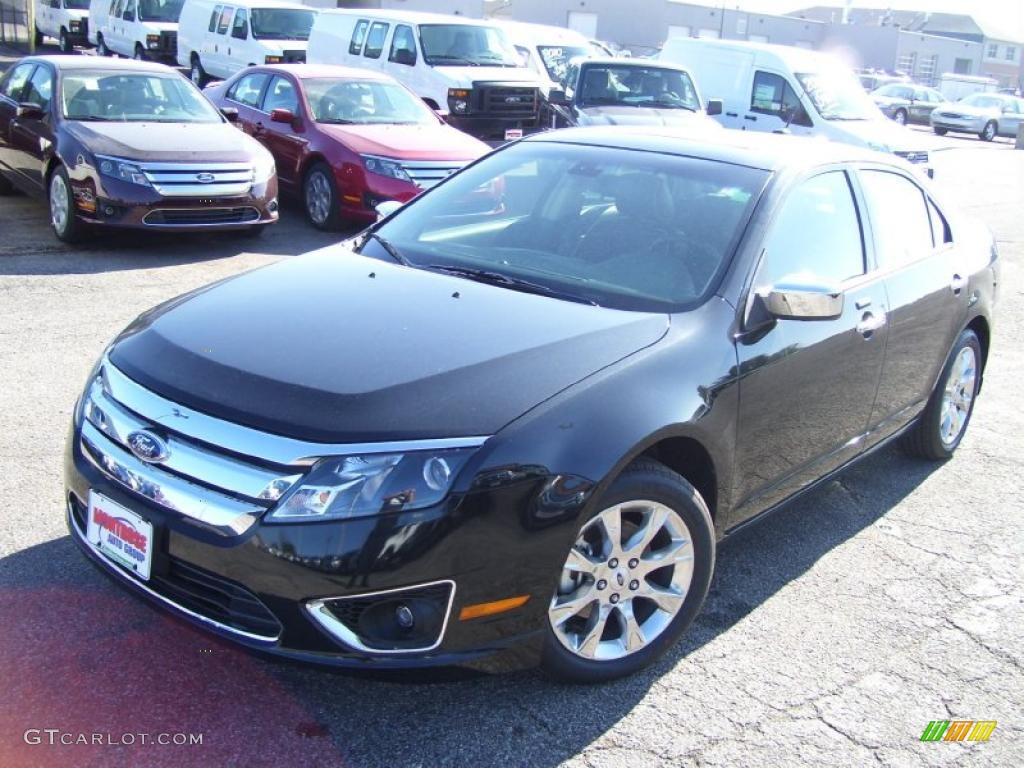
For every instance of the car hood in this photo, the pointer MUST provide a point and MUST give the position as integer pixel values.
(219, 142)
(614, 115)
(879, 133)
(408, 142)
(337, 347)
(456, 76)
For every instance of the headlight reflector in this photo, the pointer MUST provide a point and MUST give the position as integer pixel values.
(123, 170)
(382, 166)
(356, 486)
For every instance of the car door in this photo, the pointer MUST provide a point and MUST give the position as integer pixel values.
(1009, 121)
(126, 33)
(218, 57)
(246, 95)
(31, 138)
(281, 138)
(775, 106)
(927, 298)
(807, 387)
(11, 89)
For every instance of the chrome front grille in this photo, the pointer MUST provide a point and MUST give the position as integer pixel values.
(513, 101)
(914, 157)
(426, 173)
(205, 180)
(200, 217)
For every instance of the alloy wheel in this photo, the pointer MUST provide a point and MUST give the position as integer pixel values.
(990, 131)
(624, 581)
(901, 117)
(958, 396)
(62, 42)
(319, 198)
(60, 203)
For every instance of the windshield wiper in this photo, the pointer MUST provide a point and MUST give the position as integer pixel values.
(338, 121)
(393, 252)
(508, 281)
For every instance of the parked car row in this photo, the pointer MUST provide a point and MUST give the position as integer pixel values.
(986, 114)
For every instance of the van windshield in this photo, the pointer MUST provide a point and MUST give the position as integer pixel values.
(365, 102)
(281, 23)
(133, 98)
(160, 10)
(461, 45)
(838, 95)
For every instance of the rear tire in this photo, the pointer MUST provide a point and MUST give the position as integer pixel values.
(65, 224)
(940, 131)
(942, 425)
(643, 592)
(197, 74)
(989, 131)
(320, 197)
(39, 37)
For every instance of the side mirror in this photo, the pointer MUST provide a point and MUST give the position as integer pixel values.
(404, 56)
(714, 107)
(798, 299)
(558, 96)
(28, 111)
(230, 113)
(282, 116)
(386, 208)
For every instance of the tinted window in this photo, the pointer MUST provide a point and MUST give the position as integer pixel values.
(16, 81)
(403, 46)
(899, 218)
(213, 18)
(225, 20)
(626, 229)
(358, 35)
(247, 90)
(281, 23)
(40, 89)
(817, 234)
(772, 95)
(281, 95)
(240, 28)
(375, 40)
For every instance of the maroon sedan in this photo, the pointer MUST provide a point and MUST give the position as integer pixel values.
(344, 139)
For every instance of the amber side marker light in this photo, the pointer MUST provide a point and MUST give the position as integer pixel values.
(489, 609)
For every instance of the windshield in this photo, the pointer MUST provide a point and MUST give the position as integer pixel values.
(636, 86)
(466, 45)
(556, 58)
(980, 100)
(160, 10)
(365, 102)
(621, 228)
(281, 23)
(133, 98)
(77, 5)
(837, 95)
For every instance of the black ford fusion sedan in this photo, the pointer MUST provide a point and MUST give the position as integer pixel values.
(510, 421)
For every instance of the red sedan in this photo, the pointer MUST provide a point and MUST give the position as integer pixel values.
(344, 139)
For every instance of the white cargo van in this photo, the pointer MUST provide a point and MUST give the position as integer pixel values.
(217, 39)
(141, 29)
(67, 21)
(462, 66)
(777, 88)
(548, 50)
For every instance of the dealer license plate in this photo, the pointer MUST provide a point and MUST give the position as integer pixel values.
(120, 534)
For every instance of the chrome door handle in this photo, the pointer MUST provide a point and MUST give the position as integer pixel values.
(870, 323)
(863, 303)
(957, 284)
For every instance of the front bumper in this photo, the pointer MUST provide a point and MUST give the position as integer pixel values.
(254, 587)
(961, 125)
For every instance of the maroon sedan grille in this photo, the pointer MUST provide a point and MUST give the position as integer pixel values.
(197, 217)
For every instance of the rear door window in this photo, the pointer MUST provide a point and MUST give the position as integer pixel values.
(900, 220)
(225, 20)
(355, 47)
(248, 89)
(375, 40)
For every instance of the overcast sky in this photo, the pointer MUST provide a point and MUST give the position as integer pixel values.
(1007, 15)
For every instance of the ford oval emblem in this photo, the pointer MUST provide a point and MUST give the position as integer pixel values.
(147, 446)
(205, 178)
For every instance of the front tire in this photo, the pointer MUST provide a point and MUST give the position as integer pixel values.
(63, 43)
(101, 46)
(942, 425)
(940, 131)
(989, 131)
(62, 208)
(38, 37)
(634, 579)
(320, 197)
(140, 53)
(900, 117)
(196, 73)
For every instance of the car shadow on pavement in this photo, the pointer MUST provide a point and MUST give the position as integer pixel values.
(79, 654)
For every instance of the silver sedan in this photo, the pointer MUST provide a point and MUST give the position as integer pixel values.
(986, 114)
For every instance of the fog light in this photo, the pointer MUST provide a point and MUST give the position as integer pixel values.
(404, 617)
(108, 211)
(272, 206)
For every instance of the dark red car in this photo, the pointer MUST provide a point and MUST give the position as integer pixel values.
(345, 140)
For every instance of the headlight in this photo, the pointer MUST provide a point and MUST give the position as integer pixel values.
(124, 170)
(263, 168)
(273, 59)
(356, 486)
(458, 100)
(75, 25)
(384, 167)
(153, 41)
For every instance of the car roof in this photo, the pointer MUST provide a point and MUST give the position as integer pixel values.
(307, 71)
(70, 63)
(410, 17)
(766, 151)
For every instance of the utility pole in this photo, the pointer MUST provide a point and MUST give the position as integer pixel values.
(30, 24)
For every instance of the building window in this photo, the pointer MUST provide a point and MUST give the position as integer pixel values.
(962, 66)
(993, 51)
(741, 24)
(1011, 53)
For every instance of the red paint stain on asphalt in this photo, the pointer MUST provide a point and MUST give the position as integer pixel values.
(88, 659)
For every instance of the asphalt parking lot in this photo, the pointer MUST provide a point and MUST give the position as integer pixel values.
(834, 632)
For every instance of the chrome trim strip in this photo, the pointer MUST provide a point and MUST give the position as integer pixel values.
(213, 189)
(245, 441)
(189, 167)
(183, 458)
(221, 513)
(73, 525)
(320, 613)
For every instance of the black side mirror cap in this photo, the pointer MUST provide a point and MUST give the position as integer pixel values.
(28, 111)
(230, 113)
(714, 107)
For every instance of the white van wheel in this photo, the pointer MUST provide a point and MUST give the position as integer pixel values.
(62, 42)
(196, 73)
(101, 46)
(140, 54)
